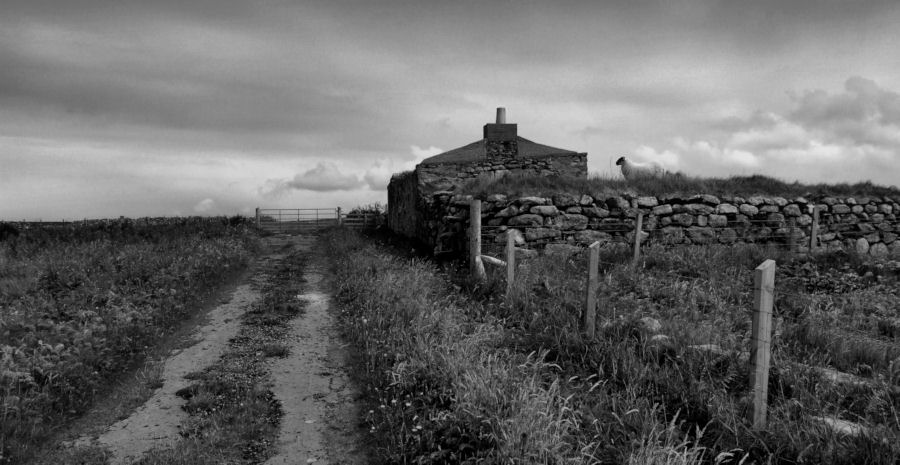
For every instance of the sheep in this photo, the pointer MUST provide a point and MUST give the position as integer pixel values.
(633, 170)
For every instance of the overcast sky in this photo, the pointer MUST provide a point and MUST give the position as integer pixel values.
(159, 108)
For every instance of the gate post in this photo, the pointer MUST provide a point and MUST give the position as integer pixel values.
(476, 267)
(761, 340)
(589, 318)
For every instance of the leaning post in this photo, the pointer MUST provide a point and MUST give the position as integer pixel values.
(590, 302)
(761, 339)
(814, 230)
(510, 262)
(475, 264)
(637, 237)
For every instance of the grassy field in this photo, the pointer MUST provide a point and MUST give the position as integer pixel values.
(602, 187)
(456, 372)
(80, 303)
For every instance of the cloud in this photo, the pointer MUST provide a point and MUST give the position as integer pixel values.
(589, 131)
(864, 113)
(379, 175)
(205, 206)
(324, 177)
(847, 136)
(420, 154)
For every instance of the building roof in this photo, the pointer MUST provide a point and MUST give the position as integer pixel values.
(475, 152)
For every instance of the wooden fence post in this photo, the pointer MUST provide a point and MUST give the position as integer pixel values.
(761, 339)
(475, 264)
(590, 302)
(637, 238)
(339, 219)
(792, 236)
(510, 262)
(257, 217)
(814, 230)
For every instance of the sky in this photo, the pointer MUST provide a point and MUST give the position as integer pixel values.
(216, 107)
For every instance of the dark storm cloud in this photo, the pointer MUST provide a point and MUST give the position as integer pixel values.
(177, 69)
(163, 92)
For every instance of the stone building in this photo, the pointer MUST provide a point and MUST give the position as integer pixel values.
(500, 151)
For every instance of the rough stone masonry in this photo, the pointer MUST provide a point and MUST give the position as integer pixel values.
(500, 152)
(868, 225)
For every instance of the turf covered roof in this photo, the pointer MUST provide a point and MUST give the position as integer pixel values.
(476, 152)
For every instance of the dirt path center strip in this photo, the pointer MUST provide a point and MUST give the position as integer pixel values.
(156, 423)
(312, 383)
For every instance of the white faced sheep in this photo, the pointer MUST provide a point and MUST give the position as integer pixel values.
(633, 170)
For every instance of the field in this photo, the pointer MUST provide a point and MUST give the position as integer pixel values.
(456, 372)
(80, 303)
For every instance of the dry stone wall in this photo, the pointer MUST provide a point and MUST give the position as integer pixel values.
(866, 224)
(404, 214)
(417, 200)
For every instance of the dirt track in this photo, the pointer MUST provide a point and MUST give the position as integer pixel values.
(312, 382)
(319, 423)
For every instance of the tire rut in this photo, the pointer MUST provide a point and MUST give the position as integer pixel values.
(313, 385)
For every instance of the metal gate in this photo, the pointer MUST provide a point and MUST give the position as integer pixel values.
(312, 220)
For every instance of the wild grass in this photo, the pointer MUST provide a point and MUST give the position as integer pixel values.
(81, 303)
(624, 396)
(599, 186)
(439, 391)
(702, 296)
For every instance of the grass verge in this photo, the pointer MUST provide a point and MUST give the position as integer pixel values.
(458, 373)
(438, 387)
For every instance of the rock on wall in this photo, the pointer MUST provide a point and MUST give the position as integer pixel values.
(866, 224)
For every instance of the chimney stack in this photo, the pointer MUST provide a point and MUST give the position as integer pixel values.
(500, 138)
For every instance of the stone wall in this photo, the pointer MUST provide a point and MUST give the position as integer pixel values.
(412, 211)
(866, 224)
(403, 215)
